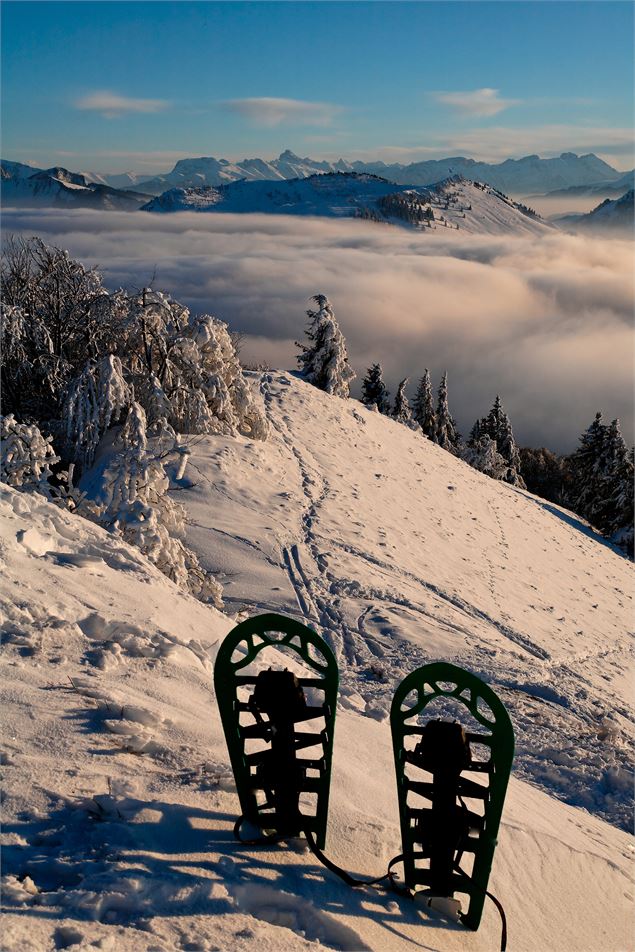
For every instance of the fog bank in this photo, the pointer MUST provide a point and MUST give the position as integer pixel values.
(544, 322)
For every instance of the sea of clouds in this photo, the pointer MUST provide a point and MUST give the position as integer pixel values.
(545, 322)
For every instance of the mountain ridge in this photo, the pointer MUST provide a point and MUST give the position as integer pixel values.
(529, 173)
(453, 204)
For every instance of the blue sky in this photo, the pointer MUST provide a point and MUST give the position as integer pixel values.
(117, 85)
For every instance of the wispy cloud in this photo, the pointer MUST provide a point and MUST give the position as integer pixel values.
(110, 105)
(269, 111)
(475, 102)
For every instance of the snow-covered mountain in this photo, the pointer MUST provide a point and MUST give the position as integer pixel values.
(514, 176)
(525, 176)
(453, 204)
(129, 180)
(612, 216)
(196, 173)
(118, 798)
(58, 186)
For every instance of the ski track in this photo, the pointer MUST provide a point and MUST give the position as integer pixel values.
(371, 660)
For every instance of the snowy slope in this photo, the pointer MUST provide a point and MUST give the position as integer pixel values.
(118, 801)
(453, 204)
(404, 554)
(58, 186)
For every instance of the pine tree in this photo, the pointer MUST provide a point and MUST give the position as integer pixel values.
(615, 510)
(401, 411)
(374, 392)
(586, 466)
(448, 436)
(324, 362)
(423, 407)
(497, 426)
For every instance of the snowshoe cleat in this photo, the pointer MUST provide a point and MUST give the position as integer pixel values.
(281, 792)
(451, 785)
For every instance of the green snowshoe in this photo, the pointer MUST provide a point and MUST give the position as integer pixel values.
(451, 785)
(281, 792)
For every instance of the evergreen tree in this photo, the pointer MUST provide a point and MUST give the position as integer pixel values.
(448, 436)
(423, 407)
(544, 473)
(324, 362)
(615, 510)
(374, 392)
(401, 411)
(586, 466)
(498, 427)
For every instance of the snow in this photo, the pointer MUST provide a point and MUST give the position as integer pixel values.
(118, 799)
(455, 204)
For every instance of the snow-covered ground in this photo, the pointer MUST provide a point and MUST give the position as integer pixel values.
(454, 204)
(118, 799)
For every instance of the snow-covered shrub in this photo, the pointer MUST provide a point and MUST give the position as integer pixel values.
(483, 456)
(324, 362)
(133, 501)
(95, 400)
(60, 325)
(26, 456)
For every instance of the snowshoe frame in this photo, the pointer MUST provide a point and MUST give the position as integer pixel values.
(498, 736)
(250, 638)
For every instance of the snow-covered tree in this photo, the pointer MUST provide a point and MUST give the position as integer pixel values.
(401, 411)
(133, 501)
(374, 392)
(423, 407)
(616, 515)
(483, 455)
(324, 361)
(545, 474)
(60, 325)
(448, 436)
(26, 456)
(95, 400)
(497, 426)
(586, 467)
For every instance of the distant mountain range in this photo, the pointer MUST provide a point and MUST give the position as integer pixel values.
(357, 193)
(513, 176)
(612, 215)
(23, 185)
(612, 187)
(455, 204)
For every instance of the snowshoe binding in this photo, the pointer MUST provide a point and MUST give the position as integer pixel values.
(281, 792)
(451, 784)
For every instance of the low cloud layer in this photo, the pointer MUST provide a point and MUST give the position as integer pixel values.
(544, 322)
